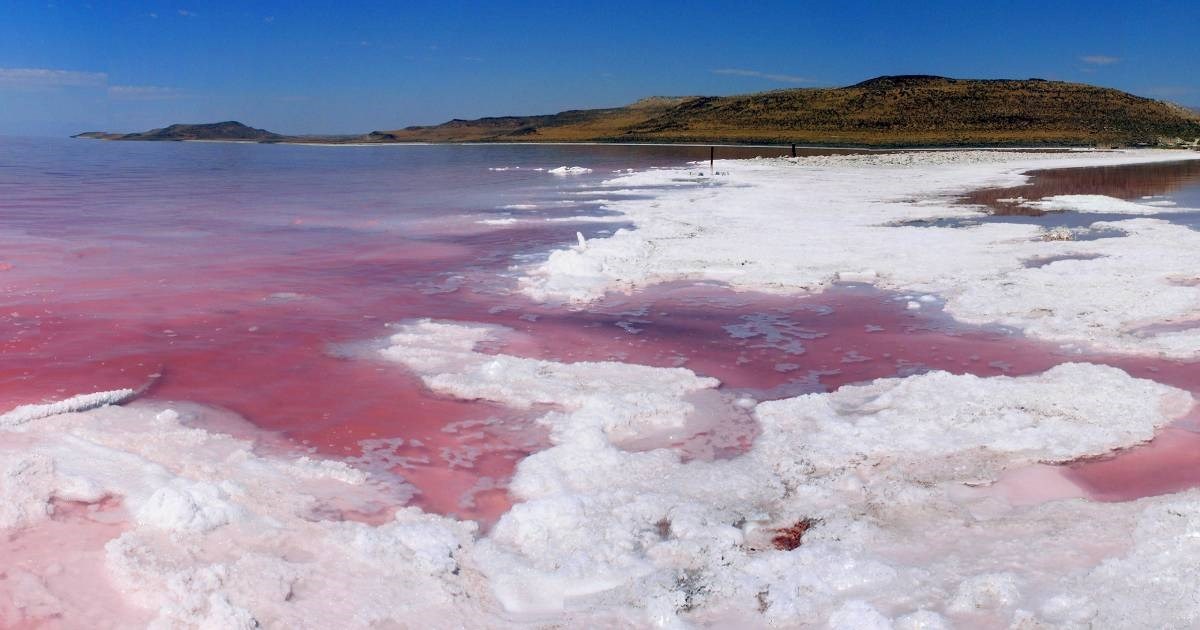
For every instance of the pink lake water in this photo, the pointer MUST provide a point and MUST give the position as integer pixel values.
(254, 278)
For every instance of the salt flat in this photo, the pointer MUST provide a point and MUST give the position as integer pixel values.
(799, 225)
(890, 484)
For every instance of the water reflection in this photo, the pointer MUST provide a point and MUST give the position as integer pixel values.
(1176, 183)
(1178, 180)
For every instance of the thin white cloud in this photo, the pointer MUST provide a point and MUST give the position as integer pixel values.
(1099, 60)
(34, 78)
(42, 79)
(782, 78)
(186, 13)
(143, 93)
(1169, 91)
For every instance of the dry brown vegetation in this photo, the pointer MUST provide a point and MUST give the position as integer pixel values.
(886, 111)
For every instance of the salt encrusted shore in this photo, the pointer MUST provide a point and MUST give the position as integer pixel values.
(876, 479)
(884, 485)
(877, 474)
(799, 225)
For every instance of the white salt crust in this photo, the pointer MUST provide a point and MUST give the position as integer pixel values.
(799, 225)
(1102, 204)
(217, 535)
(82, 402)
(892, 475)
(898, 539)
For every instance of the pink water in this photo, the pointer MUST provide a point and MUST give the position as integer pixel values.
(54, 573)
(250, 277)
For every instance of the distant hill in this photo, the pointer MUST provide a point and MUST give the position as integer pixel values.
(229, 130)
(887, 111)
(912, 110)
(572, 125)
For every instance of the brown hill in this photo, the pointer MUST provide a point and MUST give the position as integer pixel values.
(228, 130)
(885, 111)
(914, 110)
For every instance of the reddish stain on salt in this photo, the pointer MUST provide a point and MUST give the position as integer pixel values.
(1169, 463)
(1031, 485)
(55, 570)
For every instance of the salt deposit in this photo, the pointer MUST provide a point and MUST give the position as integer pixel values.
(916, 502)
(1101, 204)
(213, 533)
(798, 225)
(82, 402)
(879, 473)
(217, 534)
(570, 170)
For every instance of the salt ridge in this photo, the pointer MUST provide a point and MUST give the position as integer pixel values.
(82, 402)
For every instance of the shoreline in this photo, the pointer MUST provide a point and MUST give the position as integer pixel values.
(730, 145)
(694, 234)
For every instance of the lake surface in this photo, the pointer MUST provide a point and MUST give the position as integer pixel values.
(253, 278)
(1169, 184)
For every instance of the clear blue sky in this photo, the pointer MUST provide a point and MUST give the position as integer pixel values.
(305, 66)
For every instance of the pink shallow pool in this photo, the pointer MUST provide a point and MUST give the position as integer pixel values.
(256, 279)
(64, 555)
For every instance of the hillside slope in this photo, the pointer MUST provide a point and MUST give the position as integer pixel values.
(885, 111)
(914, 110)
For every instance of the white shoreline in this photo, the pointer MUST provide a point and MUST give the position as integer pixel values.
(891, 476)
(881, 471)
(798, 225)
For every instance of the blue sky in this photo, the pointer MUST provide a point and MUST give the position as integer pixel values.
(309, 66)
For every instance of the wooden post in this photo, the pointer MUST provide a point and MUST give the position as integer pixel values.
(793, 149)
(712, 156)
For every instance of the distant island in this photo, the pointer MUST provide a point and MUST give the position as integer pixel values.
(888, 111)
(225, 131)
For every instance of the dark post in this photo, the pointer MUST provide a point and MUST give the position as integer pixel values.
(793, 149)
(712, 156)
